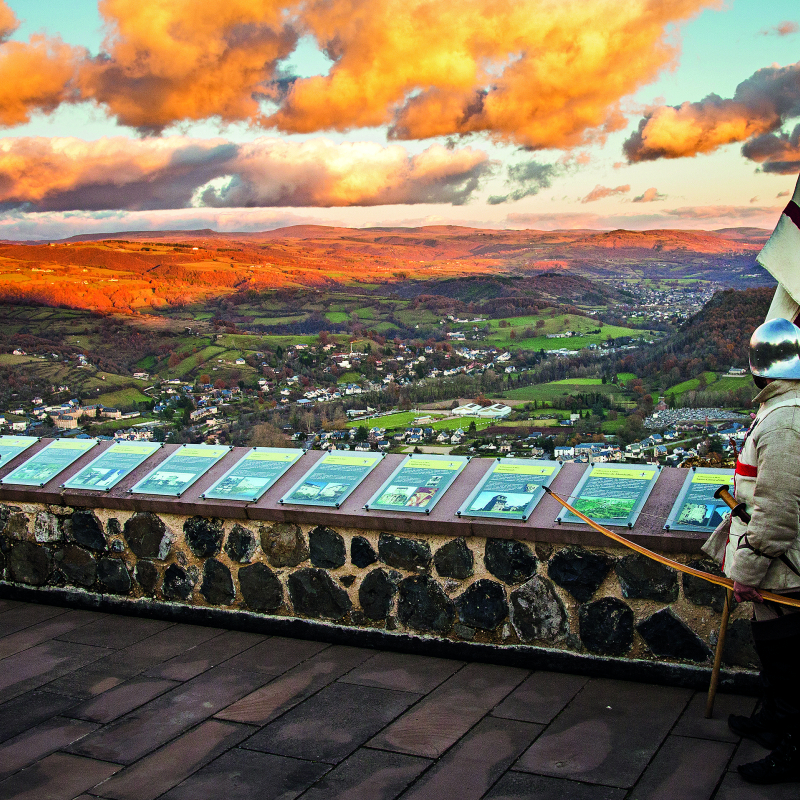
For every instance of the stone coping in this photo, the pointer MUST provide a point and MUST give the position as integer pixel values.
(442, 520)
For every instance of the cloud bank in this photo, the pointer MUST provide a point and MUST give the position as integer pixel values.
(759, 108)
(533, 72)
(39, 174)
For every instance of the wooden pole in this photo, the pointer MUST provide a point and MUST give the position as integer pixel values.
(723, 629)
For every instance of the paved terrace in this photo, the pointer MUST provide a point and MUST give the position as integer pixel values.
(103, 706)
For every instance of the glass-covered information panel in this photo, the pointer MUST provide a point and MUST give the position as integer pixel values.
(417, 483)
(253, 474)
(111, 466)
(47, 463)
(510, 489)
(612, 495)
(12, 446)
(696, 508)
(332, 479)
(180, 470)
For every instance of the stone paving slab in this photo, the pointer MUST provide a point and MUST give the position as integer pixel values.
(608, 734)
(30, 709)
(368, 775)
(103, 707)
(158, 772)
(333, 723)
(683, 768)
(405, 672)
(291, 688)
(447, 713)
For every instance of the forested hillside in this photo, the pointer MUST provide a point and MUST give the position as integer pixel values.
(713, 340)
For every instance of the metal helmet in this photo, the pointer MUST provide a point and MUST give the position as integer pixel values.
(775, 350)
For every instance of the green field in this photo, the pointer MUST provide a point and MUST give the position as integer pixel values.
(337, 316)
(551, 325)
(123, 398)
(402, 419)
(691, 385)
(579, 382)
(350, 377)
(547, 392)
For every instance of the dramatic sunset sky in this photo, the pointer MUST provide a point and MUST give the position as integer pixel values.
(253, 114)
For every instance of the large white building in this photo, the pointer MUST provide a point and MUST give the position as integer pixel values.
(494, 411)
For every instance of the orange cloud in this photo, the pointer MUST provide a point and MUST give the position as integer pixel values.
(760, 105)
(599, 192)
(34, 75)
(534, 72)
(39, 174)
(188, 59)
(8, 21)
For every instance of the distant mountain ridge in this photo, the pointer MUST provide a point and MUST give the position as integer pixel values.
(135, 269)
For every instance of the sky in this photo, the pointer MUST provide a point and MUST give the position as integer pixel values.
(254, 114)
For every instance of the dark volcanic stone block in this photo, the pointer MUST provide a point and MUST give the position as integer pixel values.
(703, 593)
(641, 578)
(483, 605)
(146, 574)
(314, 594)
(361, 552)
(217, 586)
(16, 525)
(261, 589)
(178, 584)
(454, 560)
(113, 575)
(606, 626)
(283, 544)
(78, 565)
(29, 563)
(740, 650)
(509, 560)
(377, 591)
(147, 536)
(667, 635)
(579, 571)
(537, 611)
(87, 531)
(423, 606)
(240, 545)
(326, 548)
(203, 535)
(408, 554)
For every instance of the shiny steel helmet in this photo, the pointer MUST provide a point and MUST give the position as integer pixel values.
(775, 350)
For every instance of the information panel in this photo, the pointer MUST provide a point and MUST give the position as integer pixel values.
(332, 479)
(612, 495)
(510, 489)
(418, 483)
(47, 463)
(253, 474)
(12, 446)
(696, 508)
(180, 470)
(111, 466)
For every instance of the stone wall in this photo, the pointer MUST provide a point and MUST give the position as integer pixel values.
(597, 601)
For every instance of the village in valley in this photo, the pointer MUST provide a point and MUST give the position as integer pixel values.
(521, 373)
